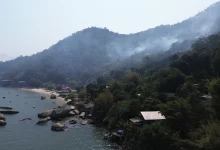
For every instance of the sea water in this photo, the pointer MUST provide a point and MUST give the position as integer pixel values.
(26, 135)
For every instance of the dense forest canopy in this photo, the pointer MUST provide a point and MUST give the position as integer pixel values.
(185, 89)
(86, 54)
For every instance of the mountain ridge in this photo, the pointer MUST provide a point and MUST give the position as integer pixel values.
(86, 51)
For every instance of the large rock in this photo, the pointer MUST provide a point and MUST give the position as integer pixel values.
(42, 121)
(53, 96)
(74, 121)
(2, 122)
(58, 127)
(90, 121)
(82, 115)
(45, 113)
(72, 113)
(84, 122)
(2, 117)
(61, 112)
(76, 111)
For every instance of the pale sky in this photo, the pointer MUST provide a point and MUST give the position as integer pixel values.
(30, 26)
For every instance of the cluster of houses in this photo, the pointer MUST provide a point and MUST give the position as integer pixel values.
(66, 91)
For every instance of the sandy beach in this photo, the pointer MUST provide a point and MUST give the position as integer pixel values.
(46, 93)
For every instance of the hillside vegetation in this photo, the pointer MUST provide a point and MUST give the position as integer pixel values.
(185, 89)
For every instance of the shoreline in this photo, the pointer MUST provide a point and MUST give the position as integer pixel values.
(45, 92)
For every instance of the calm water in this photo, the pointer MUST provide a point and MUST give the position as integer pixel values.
(18, 135)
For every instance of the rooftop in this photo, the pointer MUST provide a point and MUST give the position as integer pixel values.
(152, 115)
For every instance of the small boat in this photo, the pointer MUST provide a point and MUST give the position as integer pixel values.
(33, 106)
(3, 97)
(43, 97)
(7, 108)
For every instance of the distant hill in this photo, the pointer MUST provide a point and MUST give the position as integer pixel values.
(86, 53)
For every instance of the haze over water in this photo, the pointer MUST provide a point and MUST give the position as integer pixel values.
(27, 135)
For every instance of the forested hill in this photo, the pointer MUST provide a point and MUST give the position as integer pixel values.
(186, 90)
(85, 54)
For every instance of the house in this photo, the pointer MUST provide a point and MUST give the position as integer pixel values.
(74, 91)
(152, 115)
(64, 93)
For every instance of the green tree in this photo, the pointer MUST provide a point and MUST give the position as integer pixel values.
(214, 89)
(215, 60)
(178, 115)
(50, 86)
(103, 104)
(34, 82)
(133, 77)
(82, 94)
(70, 96)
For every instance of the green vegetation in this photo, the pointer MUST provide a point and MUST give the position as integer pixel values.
(185, 89)
(70, 96)
(50, 86)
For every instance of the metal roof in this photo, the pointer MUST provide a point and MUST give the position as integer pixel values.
(152, 115)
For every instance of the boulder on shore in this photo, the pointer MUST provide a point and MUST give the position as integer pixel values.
(43, 97)
(76, 111)
(90, 121)
(53, 96)
(42, 121)
(60, 112)
(2, 123)
(58, 127)
(72, 113)
(45, 113)
(2, 117)
(82, 115)
(84, 122)
(74, 121)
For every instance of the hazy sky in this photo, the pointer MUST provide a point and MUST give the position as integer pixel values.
(30, 26)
